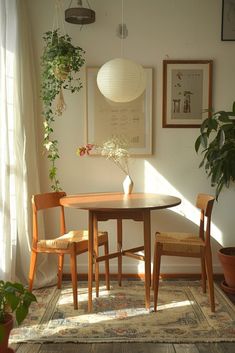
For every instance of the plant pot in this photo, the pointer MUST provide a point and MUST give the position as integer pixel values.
(227, 259)
(61, 71)
(7, 327)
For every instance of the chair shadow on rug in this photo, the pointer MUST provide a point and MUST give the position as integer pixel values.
(72, 243)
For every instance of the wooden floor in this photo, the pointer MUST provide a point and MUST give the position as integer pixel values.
(131, 347)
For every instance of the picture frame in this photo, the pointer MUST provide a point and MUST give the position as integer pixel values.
(228, 20)
(131, 121)
(187, 92)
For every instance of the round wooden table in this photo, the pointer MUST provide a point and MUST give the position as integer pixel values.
(106, 206)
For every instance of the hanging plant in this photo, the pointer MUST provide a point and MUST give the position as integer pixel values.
(61, 62)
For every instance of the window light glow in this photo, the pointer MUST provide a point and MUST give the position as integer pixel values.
(156, 183)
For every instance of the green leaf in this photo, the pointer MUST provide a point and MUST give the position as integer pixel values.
(204, 125)
(223, 117)
(221, 138)
(21, 313)
(212, 124)
(234, 107)
(12, 300)
(204, 140)
(227, 127)
(19, 287)
(197, 143)
(202, 163)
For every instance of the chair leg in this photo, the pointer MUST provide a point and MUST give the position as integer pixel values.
(154, 264)
(96, 251)
(73, 265)
(97, 275)
(154, 270)
(106, 252)
(32, 267)
(208, 258)
(97, 270)
(156, 273)
(60, 270)
(203, 275)
(119, 249)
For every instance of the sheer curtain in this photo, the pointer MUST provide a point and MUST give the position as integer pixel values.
(7, 158)
(18, 148)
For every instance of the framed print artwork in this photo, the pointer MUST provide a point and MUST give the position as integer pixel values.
(131, 121)
(187, 92)
(228, 20)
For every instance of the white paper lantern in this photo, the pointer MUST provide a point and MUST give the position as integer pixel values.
(121, 80)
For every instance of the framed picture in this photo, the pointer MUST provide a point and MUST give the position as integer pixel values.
(131, 121)
(187, 91)
(228, 20)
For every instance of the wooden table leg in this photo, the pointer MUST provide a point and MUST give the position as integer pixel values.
(96, 253)
(90, 258)
(147, 253)
(119, 249)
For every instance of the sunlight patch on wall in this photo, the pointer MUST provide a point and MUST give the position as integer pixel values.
(156, 183)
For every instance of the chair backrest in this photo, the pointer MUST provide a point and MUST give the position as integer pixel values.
(48, 200)
(205, 204)
(43, 202)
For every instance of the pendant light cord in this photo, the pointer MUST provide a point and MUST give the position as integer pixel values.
(122, 47)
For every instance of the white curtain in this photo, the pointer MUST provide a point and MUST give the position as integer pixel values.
(7, 158)
(25, 113)
(18, 145)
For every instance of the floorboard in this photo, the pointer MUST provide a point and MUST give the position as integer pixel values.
(186, 348)
(211, 347)
(229, 347)
(144, 348)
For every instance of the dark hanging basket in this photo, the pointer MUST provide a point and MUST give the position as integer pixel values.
(227, 259)
(80, 15)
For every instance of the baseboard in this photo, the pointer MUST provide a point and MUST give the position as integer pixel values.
(140, 276)
(134, 268)
(131, 271)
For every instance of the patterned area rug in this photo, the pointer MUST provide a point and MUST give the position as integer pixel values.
(119, 316)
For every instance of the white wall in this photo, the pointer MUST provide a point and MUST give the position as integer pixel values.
(158, 29)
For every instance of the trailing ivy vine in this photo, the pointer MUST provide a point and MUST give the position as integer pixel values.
(60, 63)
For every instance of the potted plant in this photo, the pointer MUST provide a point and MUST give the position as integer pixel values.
(217, 140)
(61, 63)
(14, 298)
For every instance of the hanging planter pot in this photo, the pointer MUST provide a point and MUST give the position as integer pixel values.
(61, 71)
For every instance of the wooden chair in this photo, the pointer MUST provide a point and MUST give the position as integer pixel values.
(72, 243)
(188, 245)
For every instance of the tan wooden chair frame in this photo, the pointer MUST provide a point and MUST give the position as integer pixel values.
(41, 202)
(162, 240)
